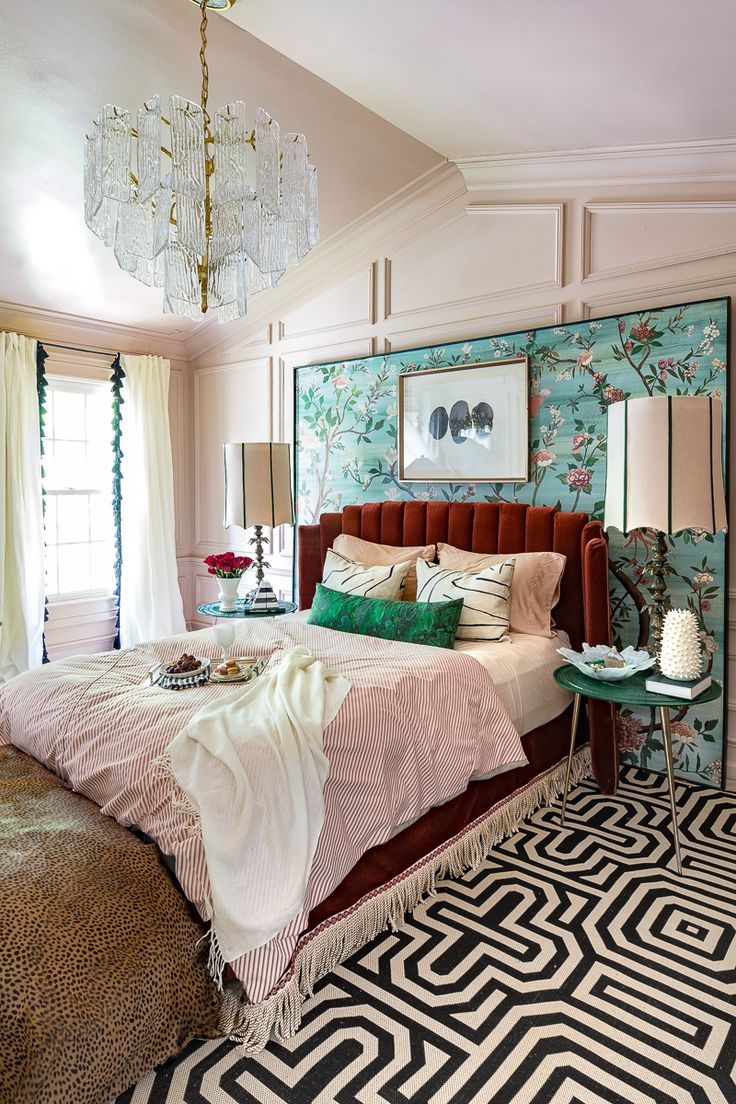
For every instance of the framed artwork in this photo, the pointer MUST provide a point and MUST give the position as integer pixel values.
(465, 424)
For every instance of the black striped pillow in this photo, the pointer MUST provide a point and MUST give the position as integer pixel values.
(368, 581)
(486, 597)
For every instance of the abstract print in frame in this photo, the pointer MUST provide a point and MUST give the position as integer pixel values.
(346, 451)
(465, 423)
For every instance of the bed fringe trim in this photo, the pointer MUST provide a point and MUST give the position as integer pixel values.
(279, 1015)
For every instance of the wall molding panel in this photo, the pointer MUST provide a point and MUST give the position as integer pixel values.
(659, 295)
(353, 304)
(501, 249)
(647, 229)
(480, 326)
(231, 403)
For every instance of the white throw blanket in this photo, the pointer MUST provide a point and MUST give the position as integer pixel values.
(255, 769)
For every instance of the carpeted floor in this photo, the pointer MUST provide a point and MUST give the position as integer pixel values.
(574, 966)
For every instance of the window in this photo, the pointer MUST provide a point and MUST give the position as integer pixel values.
(78, 461)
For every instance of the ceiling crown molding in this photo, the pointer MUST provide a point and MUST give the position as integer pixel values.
(710, 160)
(72, 329)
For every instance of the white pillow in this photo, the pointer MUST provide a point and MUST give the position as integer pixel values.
(350, 577)
(486, 597)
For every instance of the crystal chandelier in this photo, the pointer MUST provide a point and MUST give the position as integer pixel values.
(232, 209)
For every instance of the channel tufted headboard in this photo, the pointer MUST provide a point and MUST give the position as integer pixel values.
(583, 610)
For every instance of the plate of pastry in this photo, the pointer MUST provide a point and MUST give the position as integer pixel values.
(239, 669)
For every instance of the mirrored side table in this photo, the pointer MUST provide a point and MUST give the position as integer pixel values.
(243, 608)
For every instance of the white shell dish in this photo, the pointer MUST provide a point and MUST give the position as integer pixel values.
(635, 659)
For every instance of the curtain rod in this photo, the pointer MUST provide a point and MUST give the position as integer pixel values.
(76, 349)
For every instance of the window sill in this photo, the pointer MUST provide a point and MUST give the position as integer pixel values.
(80, 596)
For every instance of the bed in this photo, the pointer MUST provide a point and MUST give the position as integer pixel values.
(583, 613)
(102, 731)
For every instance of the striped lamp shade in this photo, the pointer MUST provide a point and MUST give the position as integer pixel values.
(664, 465)
(257, 484)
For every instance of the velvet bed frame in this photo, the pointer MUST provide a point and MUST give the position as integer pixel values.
(583, 611)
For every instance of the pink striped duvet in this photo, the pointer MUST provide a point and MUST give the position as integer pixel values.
(418, 724)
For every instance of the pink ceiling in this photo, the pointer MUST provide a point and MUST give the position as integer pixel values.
(479, 77)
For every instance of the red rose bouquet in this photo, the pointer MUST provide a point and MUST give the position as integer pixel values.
(227, 565)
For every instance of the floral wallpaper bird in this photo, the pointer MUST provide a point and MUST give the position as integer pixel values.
(346, 431)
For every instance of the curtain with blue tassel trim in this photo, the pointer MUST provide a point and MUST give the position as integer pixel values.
(118, 375)
(41, 385)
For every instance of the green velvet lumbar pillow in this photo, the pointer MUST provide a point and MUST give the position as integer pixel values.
(432, 623)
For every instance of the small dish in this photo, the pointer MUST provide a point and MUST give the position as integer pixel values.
(248, 666)
(590, 662)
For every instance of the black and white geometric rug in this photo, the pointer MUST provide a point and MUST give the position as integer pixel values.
(573, 967)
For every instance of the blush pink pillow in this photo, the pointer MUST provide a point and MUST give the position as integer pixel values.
(535, 590)
(383, 555)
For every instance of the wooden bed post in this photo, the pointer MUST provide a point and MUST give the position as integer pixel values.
(597, 620)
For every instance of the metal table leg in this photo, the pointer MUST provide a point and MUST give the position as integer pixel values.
(667, 733)
(573, 734)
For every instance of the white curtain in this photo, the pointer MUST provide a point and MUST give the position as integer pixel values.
(22, 583)
(150, 599)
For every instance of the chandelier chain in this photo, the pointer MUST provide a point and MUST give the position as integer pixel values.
(205, 67)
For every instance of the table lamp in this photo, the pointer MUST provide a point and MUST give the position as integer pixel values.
(258, 493)
(664, 472)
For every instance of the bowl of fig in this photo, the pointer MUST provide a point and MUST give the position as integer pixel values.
(186, 666)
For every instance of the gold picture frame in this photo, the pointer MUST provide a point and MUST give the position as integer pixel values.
(466, 423)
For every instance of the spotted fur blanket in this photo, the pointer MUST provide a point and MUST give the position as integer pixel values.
(100, 975)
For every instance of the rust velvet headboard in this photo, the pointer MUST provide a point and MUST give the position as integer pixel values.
(583, 610)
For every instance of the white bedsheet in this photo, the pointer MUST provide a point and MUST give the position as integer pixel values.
(521, 668)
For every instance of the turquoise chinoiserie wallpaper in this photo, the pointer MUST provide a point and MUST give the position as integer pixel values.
(346, 425)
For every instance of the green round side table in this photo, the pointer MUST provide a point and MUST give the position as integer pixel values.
(631, 691)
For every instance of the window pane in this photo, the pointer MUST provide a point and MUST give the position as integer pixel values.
(99, 466)
(48, 464)
(49, 519)
(74, 573)
(48, 423)
(101, 516)
(52, 579)
(102, 566)
(68, 415)
(73, 518)
(67, 467)
(99, 416)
